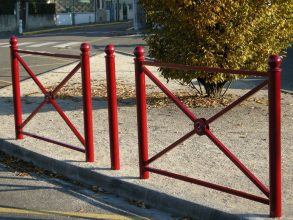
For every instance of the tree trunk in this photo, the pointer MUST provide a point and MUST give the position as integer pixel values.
(212, 89)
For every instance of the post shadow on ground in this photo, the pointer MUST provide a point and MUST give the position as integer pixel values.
(66, 104)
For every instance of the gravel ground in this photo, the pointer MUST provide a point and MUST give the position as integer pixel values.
(244, 130)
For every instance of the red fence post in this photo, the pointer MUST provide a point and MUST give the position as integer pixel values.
(16, 88)
(275, 136)
(87, 102)
(141, 112)
(112, 107)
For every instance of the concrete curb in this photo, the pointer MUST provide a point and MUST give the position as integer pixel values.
(287, 91)
(119, 187)
(69, 28)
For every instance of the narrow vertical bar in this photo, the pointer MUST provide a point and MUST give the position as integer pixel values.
(112, 107)
(275, 136)
(16, 88)
(87, 102)
(141, 112)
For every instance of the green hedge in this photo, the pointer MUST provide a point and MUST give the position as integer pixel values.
(41, 8)
(230, 34)
(7, 7)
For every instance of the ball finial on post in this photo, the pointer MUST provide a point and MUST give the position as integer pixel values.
(85, 47)
(13, 41)
(110, 49)
(139, 52)
(274, 62)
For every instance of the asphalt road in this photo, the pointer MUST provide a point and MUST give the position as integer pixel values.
(27, 195)
(66, 42)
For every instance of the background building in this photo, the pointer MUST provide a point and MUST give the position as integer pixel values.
(119, 10)
(72, 12)
(139, 18)
(34, 14)
(8, 16)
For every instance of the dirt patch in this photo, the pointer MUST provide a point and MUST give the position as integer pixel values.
(126, 95)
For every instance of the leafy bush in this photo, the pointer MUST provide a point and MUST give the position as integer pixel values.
(36, 8)
(217, 33)
(7, 7)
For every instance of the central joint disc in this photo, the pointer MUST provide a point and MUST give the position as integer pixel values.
(49, 96)
(200, 125)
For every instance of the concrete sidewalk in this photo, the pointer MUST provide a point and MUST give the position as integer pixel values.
(71, 27)
(244, 131)
(38, 31)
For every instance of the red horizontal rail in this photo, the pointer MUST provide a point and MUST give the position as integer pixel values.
(238, 101)
(32, 75)
(204, 69)
(210, 185)
(49, 54)
(53, 141)
(238, 163)
(170, 147)
(169, 94)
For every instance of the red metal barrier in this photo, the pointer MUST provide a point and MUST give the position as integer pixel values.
(112, 107)
(141, 112)
(49, 97)
(275, 136)
(16, 89)
(202, 127)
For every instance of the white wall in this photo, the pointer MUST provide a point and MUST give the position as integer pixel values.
(102, 15)
(8, 23)
(63, 19)
(129, 13)
(84, 18)
(139, 19)
(40, 21)
(80, 18)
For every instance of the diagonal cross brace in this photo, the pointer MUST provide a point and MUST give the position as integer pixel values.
(237, 162)
(49, 98)
(169, 94)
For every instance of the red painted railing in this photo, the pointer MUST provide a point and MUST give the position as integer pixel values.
(202, 127)
(112, 107)
(49, 97)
